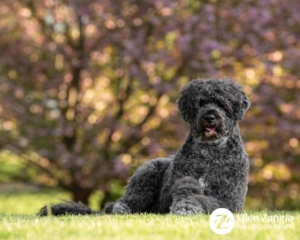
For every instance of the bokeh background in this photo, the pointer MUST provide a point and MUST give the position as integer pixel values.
(88, 92)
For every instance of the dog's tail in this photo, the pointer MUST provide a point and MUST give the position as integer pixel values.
(65, 208)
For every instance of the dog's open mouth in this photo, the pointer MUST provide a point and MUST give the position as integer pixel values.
(210, 132)
(210, 129)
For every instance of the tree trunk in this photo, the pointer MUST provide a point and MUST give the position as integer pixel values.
(81, 195)
(106, 199)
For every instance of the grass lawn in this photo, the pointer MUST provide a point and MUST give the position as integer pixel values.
(18, 222)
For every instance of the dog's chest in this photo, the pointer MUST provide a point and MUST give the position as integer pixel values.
(200, 164)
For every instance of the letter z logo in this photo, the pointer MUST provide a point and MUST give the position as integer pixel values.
(221, 221)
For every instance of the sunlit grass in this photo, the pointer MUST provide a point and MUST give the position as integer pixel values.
(145, 226)
(28, 202)
(128, 227)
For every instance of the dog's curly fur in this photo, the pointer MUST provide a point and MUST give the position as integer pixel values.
(209, 171)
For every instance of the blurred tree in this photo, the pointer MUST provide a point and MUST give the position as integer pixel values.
(88, 88)
(77, 98)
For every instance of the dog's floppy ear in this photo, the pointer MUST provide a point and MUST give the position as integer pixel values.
(185, 108)
(244, 106)
(187, 101)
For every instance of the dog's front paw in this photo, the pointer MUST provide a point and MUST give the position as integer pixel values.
(186, 207)
(121, 208)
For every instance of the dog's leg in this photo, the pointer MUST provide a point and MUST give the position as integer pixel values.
(188, 196)
(142, 189)
(183, 194)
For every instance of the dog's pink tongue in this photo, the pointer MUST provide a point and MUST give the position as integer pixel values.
(210, 129)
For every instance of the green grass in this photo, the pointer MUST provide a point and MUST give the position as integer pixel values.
(28, 226)
(23, 201)
(128, 227)
(28, 202)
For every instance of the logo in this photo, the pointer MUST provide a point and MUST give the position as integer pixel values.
(221, 221)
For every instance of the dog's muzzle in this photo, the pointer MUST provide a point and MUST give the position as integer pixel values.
(210, 126)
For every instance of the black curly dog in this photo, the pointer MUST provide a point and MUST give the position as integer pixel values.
(210, 170)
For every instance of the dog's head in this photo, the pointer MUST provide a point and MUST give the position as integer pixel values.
(212, 107)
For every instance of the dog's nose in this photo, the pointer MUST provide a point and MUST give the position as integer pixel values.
(209, 118)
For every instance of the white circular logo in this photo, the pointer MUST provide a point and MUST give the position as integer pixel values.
(221, 221)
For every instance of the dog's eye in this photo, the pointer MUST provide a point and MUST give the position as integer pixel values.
(227, 108)
(202, 103)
